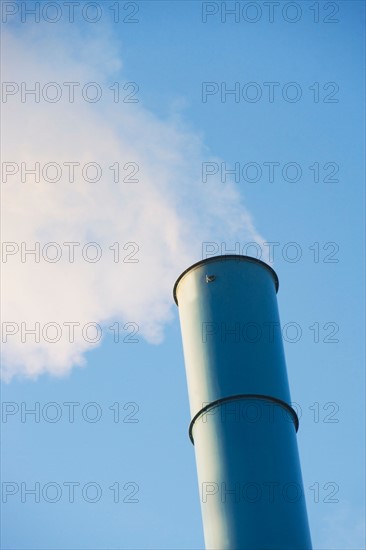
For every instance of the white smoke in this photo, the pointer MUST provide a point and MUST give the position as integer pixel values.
(168, 213)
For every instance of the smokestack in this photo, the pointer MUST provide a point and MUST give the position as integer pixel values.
(243, 426)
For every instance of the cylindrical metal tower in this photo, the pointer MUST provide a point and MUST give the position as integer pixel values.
(243, 426)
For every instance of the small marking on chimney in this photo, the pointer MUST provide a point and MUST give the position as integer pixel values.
(210, 278)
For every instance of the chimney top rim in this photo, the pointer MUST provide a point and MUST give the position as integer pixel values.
(224, 257)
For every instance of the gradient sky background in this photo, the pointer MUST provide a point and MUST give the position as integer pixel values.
(169, 52)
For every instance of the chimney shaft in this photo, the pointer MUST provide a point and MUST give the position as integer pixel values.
(243, 425)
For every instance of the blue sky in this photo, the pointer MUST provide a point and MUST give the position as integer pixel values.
(140, 442)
